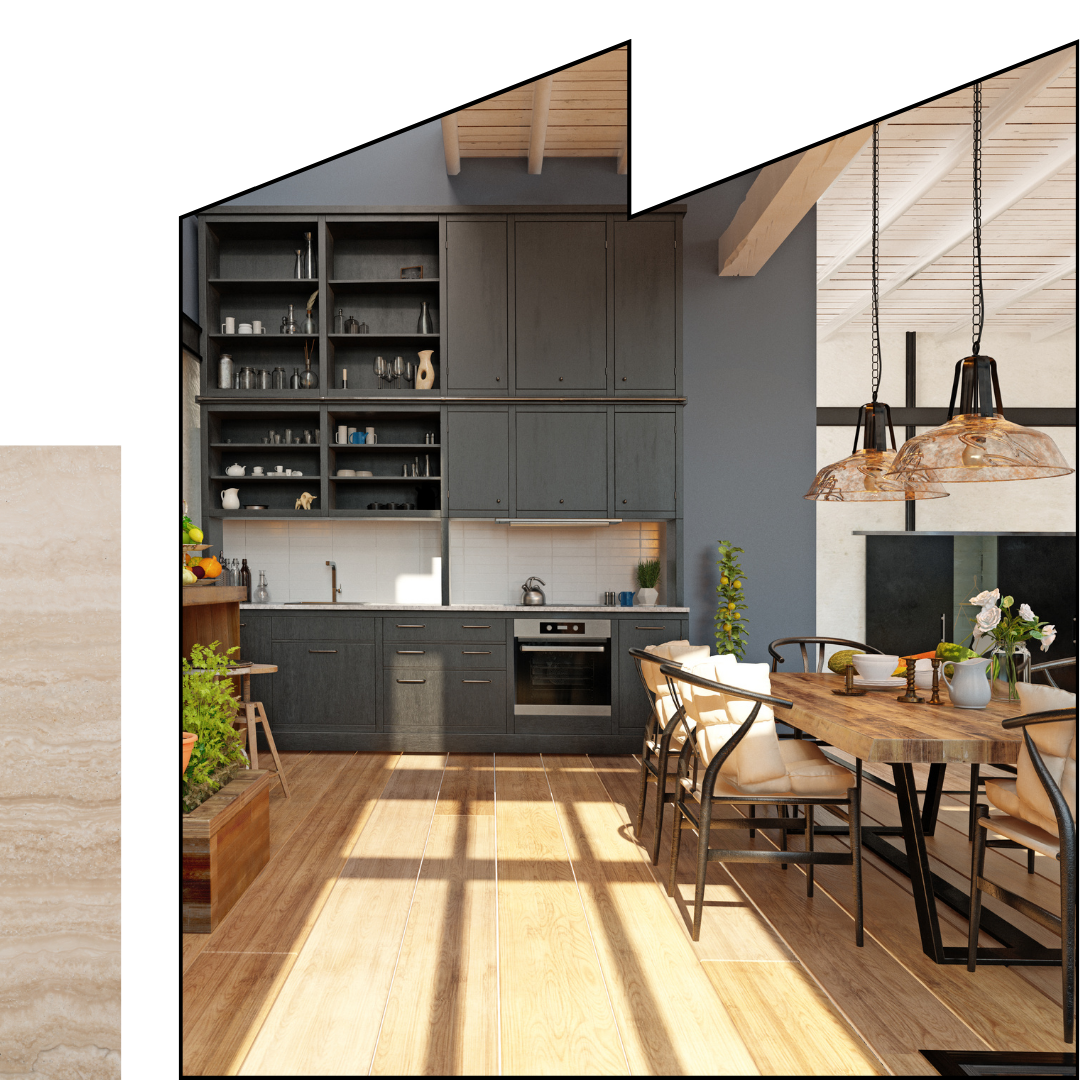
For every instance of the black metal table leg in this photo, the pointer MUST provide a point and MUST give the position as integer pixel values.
(926, 886)
(932, 799)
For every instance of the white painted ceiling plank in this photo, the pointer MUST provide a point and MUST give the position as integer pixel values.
(1045, 332)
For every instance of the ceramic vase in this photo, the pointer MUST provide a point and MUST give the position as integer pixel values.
(646, 597)
(425, 373)
(1010, 663)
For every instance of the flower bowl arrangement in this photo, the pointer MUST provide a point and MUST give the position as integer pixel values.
(1007, 633)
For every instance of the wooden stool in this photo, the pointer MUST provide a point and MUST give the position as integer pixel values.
(254, 713)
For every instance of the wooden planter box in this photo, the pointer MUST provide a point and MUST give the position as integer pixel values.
(226, 842)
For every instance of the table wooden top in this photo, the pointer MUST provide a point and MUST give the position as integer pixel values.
(199, 595)
(877, 727)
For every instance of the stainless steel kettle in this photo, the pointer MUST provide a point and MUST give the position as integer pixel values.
(531, 595)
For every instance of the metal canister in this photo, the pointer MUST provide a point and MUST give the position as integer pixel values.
(280, 379)
(225, 372)
(247, 378)
(265, 381)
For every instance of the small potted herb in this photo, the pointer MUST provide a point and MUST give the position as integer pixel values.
(648, 574)
(209, 710)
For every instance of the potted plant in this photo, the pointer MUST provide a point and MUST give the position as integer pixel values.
(209, 710)
(731, 602)
(648, 574)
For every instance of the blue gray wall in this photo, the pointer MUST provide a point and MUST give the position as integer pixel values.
(749, 359)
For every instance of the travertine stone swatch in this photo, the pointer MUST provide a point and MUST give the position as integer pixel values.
(60, 763)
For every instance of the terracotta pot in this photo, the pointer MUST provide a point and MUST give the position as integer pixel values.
(186, 746)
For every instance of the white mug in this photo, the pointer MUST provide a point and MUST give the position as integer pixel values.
(256, 470)
(342, 434)
(351, 433)
(256, 327)
(229, 325)
(279, 468)
(370, 432)
(244, 328)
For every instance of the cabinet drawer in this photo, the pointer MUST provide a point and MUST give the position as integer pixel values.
(435, 656)
(323, 686)
(440, 628)
(323, 627)
(639, 632)
(444, 701)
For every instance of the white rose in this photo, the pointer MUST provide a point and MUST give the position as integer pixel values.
(986, 598)
(1048, 635)
(1027, 614)
(988, 618)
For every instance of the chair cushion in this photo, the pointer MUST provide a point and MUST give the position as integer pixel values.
(1023, 832)
(1057, 746)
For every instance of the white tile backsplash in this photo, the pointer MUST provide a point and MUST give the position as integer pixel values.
(399, 562)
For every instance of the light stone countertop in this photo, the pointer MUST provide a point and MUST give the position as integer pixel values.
(450, 608)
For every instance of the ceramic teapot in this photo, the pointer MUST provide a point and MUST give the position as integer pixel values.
(969, 687)
(235, 470)
(230, 499)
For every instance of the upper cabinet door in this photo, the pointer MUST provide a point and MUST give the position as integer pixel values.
(645, 305)
(562, 462)
(560, 290)
(479, 449)
(476, 301)
(645, 465)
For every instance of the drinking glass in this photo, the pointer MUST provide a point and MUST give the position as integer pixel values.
(380, 370)
(410, 371)
(399, 369)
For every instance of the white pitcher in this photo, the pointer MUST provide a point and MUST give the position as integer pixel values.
(230, 499)
(969, 687)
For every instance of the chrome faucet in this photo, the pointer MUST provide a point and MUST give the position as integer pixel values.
(335, 588)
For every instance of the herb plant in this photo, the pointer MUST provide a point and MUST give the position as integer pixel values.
(209, 709)
(731, 622)
(648, 573)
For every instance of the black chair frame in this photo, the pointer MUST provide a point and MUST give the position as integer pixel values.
(976, 778)
(820, 642)
(703, 822)
(1064, 924)
(655, 752)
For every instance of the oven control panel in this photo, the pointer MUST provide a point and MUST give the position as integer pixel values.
(551, 628)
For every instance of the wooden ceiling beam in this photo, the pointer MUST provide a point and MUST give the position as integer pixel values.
(1017, 296)
(1027, 183)
(451, 148)
(538, 132)
(778, 200)
(1034, 81)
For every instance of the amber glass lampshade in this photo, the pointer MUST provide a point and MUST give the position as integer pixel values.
(978, 443)
(861, 476)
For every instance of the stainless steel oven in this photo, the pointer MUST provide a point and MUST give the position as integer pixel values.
(562, 667)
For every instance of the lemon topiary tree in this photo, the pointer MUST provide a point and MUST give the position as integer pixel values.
(731, 622)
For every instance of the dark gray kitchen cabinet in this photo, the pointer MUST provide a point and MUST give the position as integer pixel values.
(560, 305)
(479, 454)
(475, 322)
(562, 462)
(323, 685)
(645, 305)
(636, 633)
(645, 462)
(444, 701)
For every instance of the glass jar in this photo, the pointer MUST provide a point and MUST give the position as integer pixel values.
(247, 378)
(1009, 665)
(225, 372)
(280, 379)
(265, 381)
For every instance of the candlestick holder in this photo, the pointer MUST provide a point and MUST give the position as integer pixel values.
(850, 689)
(935, 696)
(910, 696)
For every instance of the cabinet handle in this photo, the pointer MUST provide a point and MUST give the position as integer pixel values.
(624, 378)
(498, 500)
(650, 627)
(410, 626)
(410, 652)
(560, 500)
(242, 625)
(412, 680)
(322, 650)
(476, 680)
(475, 626)
(475, 652)
(624, 502)
(560, 378)
(496, 378)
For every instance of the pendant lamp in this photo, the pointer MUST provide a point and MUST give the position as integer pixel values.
(976, 442)
(861, 477)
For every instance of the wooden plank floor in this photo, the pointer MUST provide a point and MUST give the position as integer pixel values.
(432, 913)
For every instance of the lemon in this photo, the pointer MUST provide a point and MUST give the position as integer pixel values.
(723, 579)
(736, 584)
(196, 535)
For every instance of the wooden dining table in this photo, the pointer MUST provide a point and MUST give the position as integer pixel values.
(876, 727)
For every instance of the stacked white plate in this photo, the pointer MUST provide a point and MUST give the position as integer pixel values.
(890, 683)
(346, 472)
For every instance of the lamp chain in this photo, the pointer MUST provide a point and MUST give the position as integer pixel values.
(976, 231)
(875, 357)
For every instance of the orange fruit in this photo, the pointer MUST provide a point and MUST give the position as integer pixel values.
(212, 567)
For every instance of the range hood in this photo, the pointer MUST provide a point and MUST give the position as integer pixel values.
(565, 523)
